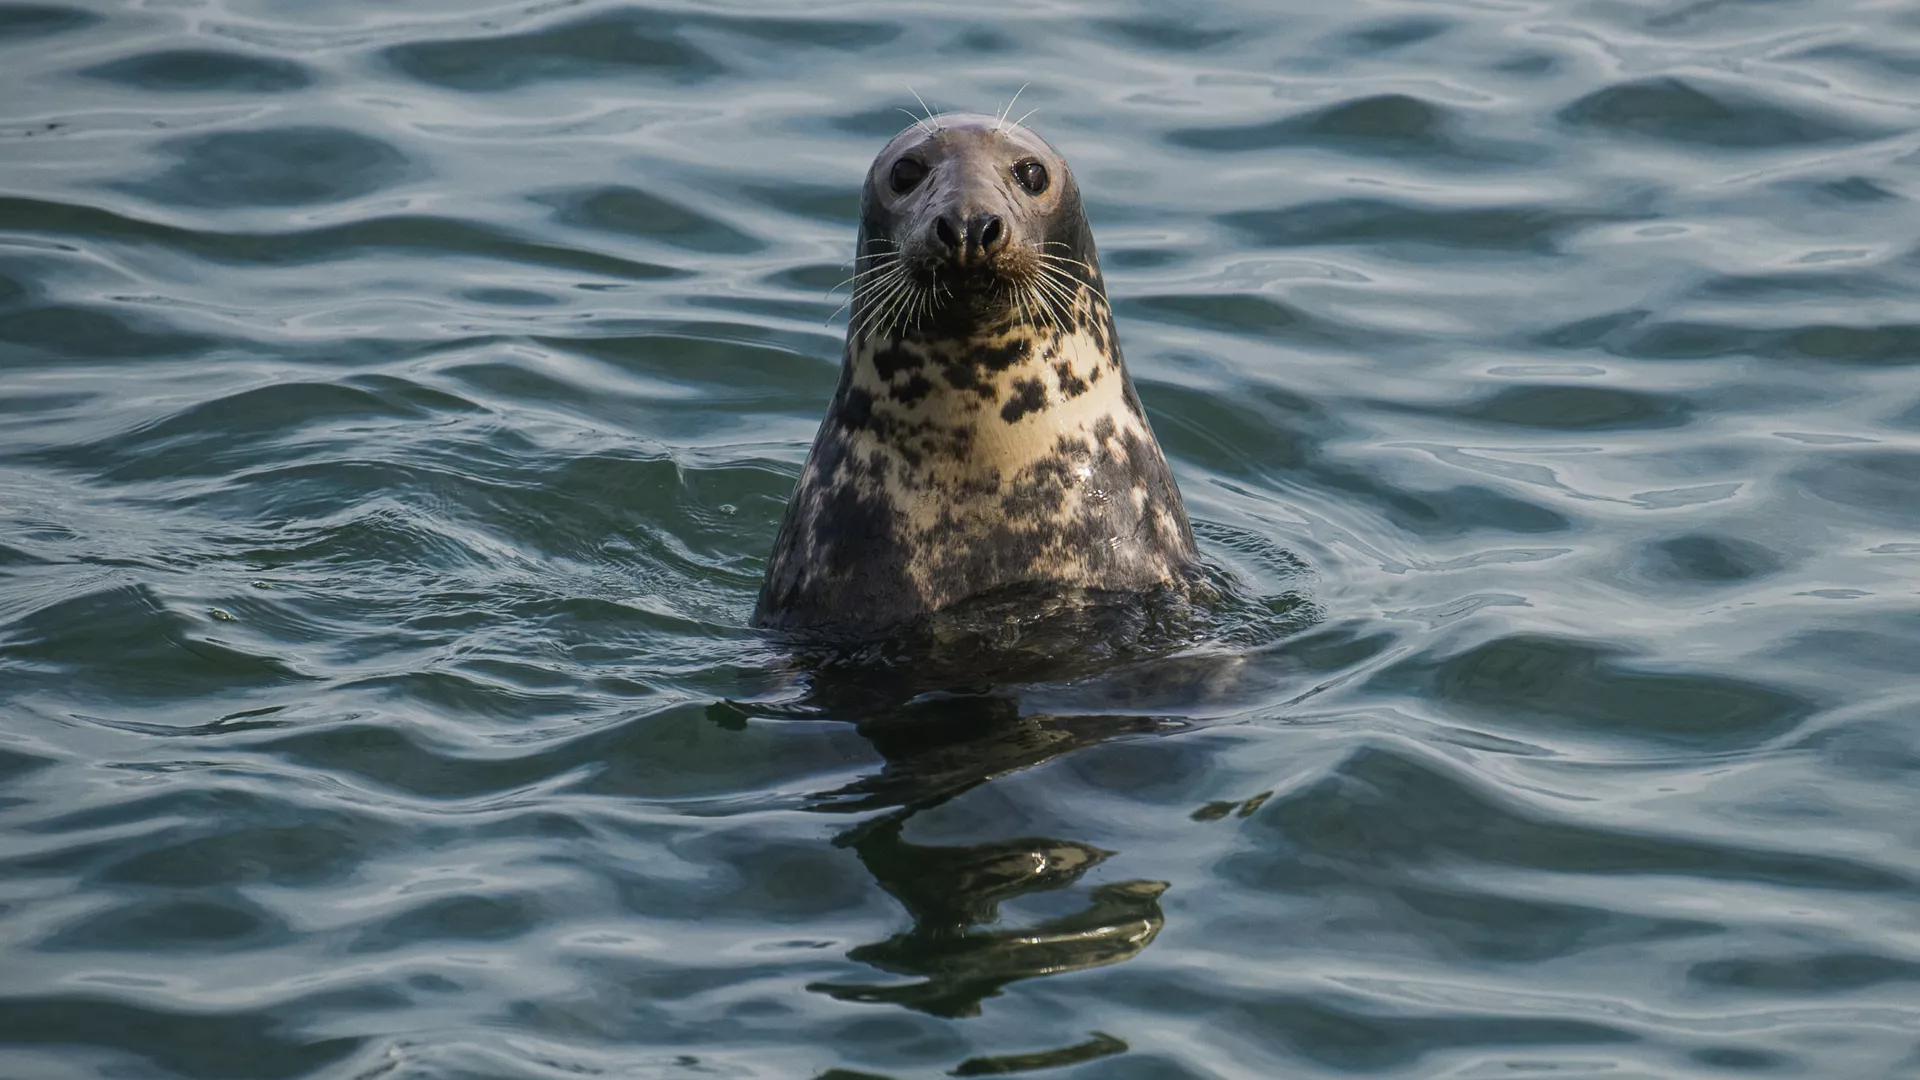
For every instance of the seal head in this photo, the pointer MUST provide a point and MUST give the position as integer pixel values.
(984, 432)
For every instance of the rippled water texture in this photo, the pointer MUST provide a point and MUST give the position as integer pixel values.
(397, 403)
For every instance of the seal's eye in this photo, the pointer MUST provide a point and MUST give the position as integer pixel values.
(907, 173)
(1032, 176)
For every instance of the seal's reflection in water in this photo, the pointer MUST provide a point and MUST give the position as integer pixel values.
(936, 750)
(942, 704)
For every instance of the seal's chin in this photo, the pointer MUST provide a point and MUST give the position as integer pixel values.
(976, 285)
(978, 301)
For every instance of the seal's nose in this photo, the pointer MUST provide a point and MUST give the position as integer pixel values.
(949, 237)
(973, 242)
(986, 235)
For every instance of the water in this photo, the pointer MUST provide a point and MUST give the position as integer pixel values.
(397, 404)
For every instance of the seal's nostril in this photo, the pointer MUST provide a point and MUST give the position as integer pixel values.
(943, 228)
(990, 232)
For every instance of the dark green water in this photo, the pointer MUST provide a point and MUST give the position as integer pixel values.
(397, 403)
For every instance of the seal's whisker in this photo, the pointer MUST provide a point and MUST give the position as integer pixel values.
(1051, 257)
(916, 119)
(875, 264)
(875, 319)
(872, 276)
(1002, 118)
(925, 310)
(1059, 272)
(899, 294)
(1033, 302)
(906, 316)
(1060, 298)
(873, 295)
(866, 292)
(931, 297)
(1066, 309)
(857, 277)
(931, 116)
(1065, 280)
(1054, 262)
(1073, 281)
(1062, 301)
(1023, 118)
(844, 305)
(1012, 292)
(1053, 265)
(904, 320)
(903, 304)
(1038, 304)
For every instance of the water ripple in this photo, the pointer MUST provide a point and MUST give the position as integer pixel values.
(396, 408)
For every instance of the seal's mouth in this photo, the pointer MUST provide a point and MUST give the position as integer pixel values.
(969, 281)
(1019, 284)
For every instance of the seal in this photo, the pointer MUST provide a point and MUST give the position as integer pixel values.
(984, 432)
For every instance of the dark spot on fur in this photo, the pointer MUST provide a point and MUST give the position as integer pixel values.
(938, 441)
(1095, 376)
(961, 376)
(1103, 429)
(1041, 489)
(1028, 396)
(1002, 357)
(893, 360)
(913, 390)
(1071, 385)
(856, 408)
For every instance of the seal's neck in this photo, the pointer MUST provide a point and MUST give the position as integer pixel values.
(987, 402)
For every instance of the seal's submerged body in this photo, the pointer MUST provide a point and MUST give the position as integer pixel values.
(984, 432)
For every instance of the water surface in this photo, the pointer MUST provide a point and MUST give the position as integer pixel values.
(397, 404)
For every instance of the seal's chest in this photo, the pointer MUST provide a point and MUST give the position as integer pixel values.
(1029, 424)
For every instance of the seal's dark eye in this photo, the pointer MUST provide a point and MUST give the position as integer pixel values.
(906, 174)
(1032, 176)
